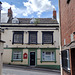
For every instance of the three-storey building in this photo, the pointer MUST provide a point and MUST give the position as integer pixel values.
(31, 41)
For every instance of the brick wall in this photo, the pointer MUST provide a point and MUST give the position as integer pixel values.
(66, 73)
(67, 20)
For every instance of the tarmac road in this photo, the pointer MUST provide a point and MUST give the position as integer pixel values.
(13, 70)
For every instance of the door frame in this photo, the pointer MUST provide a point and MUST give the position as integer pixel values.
(32, 50)
(35, 58)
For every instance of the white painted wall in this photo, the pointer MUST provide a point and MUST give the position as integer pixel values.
(8, 37)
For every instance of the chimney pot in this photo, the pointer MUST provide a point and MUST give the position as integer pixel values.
(54, 13)
(10, 12)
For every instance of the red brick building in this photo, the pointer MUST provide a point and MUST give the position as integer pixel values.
(67, 24)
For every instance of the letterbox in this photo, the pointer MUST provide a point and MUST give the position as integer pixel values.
(25, 56)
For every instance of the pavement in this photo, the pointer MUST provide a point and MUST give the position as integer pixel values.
(23, 70)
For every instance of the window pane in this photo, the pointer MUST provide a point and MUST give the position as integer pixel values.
(68, 59)
(48, 56)
(47, 37)
(48, 53)
(17, 55)
(18, 38)
(33, 37)
(53, 57)
(64, 59)
(43, 56)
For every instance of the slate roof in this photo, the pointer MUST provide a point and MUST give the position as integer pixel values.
(41, 21)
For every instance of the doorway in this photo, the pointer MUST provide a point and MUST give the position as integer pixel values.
(32, 58)
(73, 61)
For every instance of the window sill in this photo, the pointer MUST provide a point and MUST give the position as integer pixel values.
(17, 43)
(16, 60)
(32, 43)
(48, 43)
(66, 70)
(48, 61)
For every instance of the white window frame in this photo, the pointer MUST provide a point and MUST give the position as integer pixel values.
(68, 60)
(64, 41)
(45, 56)
(72, 39)
(17, 52)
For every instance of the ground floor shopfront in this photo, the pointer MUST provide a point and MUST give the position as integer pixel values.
(38, 57)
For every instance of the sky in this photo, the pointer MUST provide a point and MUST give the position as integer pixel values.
(31, 8)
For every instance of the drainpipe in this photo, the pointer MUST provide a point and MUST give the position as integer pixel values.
(60, 35)
(0, 11)
(0, 39)
(0, 18)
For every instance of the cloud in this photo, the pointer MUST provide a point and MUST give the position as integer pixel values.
(16, 11)
(38, 6)
(30, 7)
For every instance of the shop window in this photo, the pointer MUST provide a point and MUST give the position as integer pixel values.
(65, 60)
(47, 37)
(48, 56)
(32, 37)
(18, 37)
(17, 55)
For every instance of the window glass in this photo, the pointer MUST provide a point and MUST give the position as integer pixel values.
(17, 55)
(18, 37)
(53, 57)
(33, 37)
(47, 37)
(65, 59)
(48, 56)
(43, 56)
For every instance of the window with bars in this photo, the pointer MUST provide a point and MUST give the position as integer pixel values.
(32, 37)
(17, 55)
(47, 37)
(18, 37)
(65, 59)
(48, 56)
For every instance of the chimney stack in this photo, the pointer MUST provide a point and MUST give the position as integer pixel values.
(10, 13)
(54, 13)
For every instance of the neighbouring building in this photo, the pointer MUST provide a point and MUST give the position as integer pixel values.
(67, 24)
(31, 41)
(1, 44)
